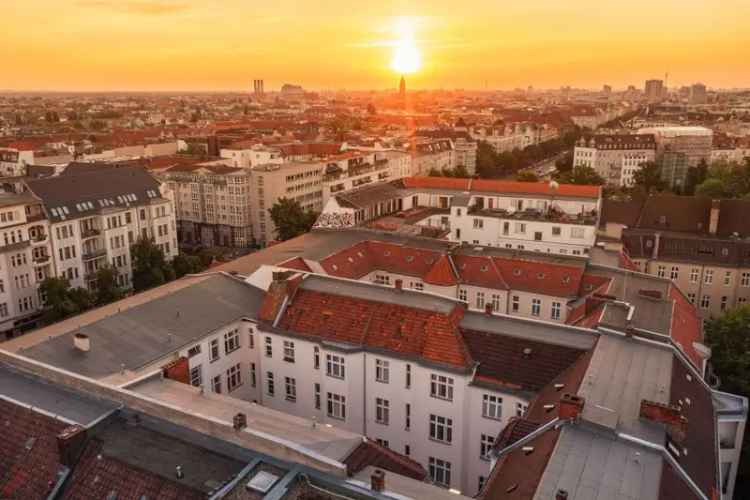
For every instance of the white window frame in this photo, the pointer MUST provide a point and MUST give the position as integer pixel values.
(441, 429)
(336, 406)
(336, 366)
(289, 351)
(382, 371)
(492, 407)
(441, 387)
(290, 389)
(234, 377)
(440, 471)
(231, 341)
(382, 411)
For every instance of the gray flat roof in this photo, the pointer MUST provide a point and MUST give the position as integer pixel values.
(594, 465)
(53, 399)
(142, 334)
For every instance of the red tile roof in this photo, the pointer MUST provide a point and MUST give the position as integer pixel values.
(538, 188)
(297, 263)
(436, 183)
(686, 327)
(370, 453)
(441, 274)
(540, 277)
(479, 271)
(592, 283)
(406, 330)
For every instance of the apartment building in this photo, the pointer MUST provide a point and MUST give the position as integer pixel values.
(508, 137)
(431, 154)
(25, 259)
(95, 216)
(616, 158)
(212, 204)
(465, 154)
(13, 162)
(698, 243)
(680, 148)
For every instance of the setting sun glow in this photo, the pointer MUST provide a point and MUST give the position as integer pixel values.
(406, 57)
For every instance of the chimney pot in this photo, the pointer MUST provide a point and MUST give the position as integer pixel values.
(377, 480)
(178, 472)
(70, 443)
(570, 406)
(82, 342)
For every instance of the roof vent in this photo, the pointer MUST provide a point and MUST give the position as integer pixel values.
(484, 268)
(517, 272)
(82, 342)
(527, 352)
(548, 408)
(178, 472)
(409, 258)
(540, 276)
(559, 387)
(262, 482)
(512, 488)
(527, 450)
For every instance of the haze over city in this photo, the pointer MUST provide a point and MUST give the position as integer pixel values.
(216, 46)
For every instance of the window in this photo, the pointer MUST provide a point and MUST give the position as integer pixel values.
(674, 273)
(728, 278)
(556, 307)
(478, 224)
(536, 307)
(705, 301)
(407, 450)
(382, 279)
(741, 300)
(407, 412)
(270, 386)
(694, 273)
(196, 376)
(480, 300)
(724, 303)
(556, 230)
(462, 295)
(194, 351)
(521, 409)
(382, 411)
(336, 406)
(492, 407)
(316, 357)
(661, 271)
(234, 377)
(441, 387)
(691, 298)
(269, 347)
(216, 384)
(335, 366)
(520, 228)
(231, 341)
(708, 276)
(577, 233)
(251, 340)
(515, 303)
(383, 442)
(408, 376)
(290, 385)
(745, 280)
(316, 391)
(482, 479)
(485, 446)
(253, 375)
(382, 370)
(289, 351)
(440, 471)
(213, 350)
(441, 429)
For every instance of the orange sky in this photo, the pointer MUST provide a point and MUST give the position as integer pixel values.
(332, 44)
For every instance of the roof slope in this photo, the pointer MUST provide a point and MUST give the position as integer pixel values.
(371, 453)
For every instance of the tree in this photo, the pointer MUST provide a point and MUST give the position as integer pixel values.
(526, 176)
(290, 219)
(565, 163)
(648, 177)
(729, 340)
(580, 174)
(107, 289)
(150, 268)
(62, 301)
(695, 177)
(712, 188)
(187, 264)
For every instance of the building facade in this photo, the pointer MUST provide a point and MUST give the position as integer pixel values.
(616, 158)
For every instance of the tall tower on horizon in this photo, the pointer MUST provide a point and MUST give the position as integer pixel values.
(402, 88)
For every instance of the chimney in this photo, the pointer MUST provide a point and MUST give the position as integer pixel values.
(669, 415)
(82, 342)
(399, 284)
(561, 495)
(377, 480)
(488, 309)
(570, 407)
(657, 241)
(239, 421)
(70, 443)
(713, 218)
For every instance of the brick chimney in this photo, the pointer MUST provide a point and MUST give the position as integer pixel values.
(399, 283)
(713, 218)
(177, 370)
(669, 415)
(570, 407)
(377, 480)
(70, 443)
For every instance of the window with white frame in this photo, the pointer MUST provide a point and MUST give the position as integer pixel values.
(441, 387)
(462, 295)
(408, 376)
(536, 307)
(515, 303)
(705, 301)
(335, 366)
(492, 406)
(708, 276)
(269, 347)
(234, 377)
(316, 393)
(382, 370)
(577, 232)
(478, 224)
(290, 386)
(213, 350)
(336, 406)
(316, 357)
(196, 376)
(485, 446)
(480, 300)
(440, 471)
(253, 375)
(745, 280)
(270, 384)
(251, 340)
(216, 384)
(231, 341)
(691, 298)
(382, 279)
(194, 351)
(520, 228)
(521, 409)
(674, 273)
(441, 429)
(383, 442)
(661, 271)
(555, 311)
(694, 274)
(481, 482)
(495, 302)
(289, 351)
(407, 413)
(382, 411)
(727, 278)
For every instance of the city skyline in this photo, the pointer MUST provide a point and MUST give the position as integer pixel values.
(160, 45)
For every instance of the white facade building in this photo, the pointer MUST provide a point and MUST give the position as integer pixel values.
(616, 158)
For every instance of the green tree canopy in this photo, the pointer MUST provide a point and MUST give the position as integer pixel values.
(290, 219)
(187, 264)
(526, 176)
(107, 289)
(648, 178)
(61, 300)
(580, 174)
(150, 268)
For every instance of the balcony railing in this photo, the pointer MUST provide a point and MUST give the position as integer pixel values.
(39, 238)
(90, 233)
(41, 259)
(94, 254)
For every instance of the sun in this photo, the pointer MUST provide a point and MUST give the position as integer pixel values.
(406, 56)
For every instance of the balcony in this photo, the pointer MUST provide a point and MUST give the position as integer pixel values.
(39, 238)
(41, 259)
(94, 254)
(89, 232)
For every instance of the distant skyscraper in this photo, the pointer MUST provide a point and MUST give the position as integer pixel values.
(402, 88)
(698, 94)
(258, 88)
(654, 90)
